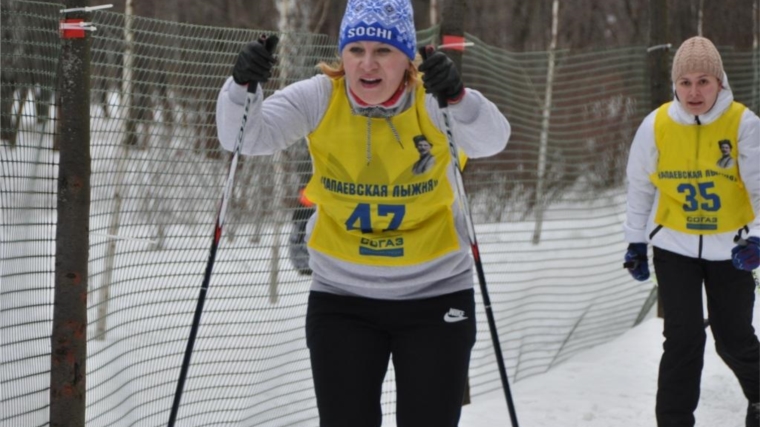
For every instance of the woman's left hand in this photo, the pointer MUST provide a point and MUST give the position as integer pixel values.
(441, 77)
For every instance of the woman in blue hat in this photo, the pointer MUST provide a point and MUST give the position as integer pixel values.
(388, 248)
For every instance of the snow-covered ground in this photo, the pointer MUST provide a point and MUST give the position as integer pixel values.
(611, 385)
(571, 285)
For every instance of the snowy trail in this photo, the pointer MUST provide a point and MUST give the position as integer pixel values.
(612, 385)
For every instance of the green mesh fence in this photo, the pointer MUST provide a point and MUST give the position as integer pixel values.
(548, 212)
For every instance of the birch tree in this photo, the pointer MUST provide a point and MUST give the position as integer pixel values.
(293, 25)
(540, 203)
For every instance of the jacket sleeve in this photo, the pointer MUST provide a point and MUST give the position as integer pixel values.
(479, 128)
(274, 123)
(749, 163)
(642, 162)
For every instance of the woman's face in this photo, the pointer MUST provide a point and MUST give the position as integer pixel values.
(697, 92)
(374, 70)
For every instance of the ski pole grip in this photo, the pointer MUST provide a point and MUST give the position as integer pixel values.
(740, 241)
(254, 85)
(270, 43)
(426, 51)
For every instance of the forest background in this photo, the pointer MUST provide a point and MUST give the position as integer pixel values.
(514, 25)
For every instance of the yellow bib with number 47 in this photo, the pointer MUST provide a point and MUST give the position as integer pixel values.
(381, 200)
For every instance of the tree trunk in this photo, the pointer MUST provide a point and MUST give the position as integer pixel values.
(294, 22)
(540, 203)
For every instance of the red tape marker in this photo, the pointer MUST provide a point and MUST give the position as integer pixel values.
(68, 30)
(453, 42)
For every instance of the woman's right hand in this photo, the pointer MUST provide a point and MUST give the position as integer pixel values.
(636, 261)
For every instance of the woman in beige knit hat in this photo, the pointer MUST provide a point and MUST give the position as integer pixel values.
(702, 221)
(697, 75)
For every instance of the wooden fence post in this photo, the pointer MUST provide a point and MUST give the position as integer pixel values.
(659, 77)
(69, 334)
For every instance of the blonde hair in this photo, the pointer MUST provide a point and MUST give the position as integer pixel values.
(336, 70)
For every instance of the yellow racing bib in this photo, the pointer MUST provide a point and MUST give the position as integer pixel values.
(697, 174)
(381, 200)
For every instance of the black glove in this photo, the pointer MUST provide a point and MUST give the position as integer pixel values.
(440, 76)
(636, 261)
(254, 63)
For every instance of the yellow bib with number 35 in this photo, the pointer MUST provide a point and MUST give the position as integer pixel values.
(381, 201)
(701, 191)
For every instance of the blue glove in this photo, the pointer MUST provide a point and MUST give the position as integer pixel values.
(746, 256)
(636, 261)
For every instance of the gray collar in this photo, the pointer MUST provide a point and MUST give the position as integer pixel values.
(379, 112)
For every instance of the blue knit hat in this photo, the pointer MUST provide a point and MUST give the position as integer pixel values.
(385, 21)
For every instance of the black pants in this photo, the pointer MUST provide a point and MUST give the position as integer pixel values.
(352, 339)
(730, 301)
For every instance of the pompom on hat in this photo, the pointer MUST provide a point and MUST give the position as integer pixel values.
(385, 21)
(697, 54)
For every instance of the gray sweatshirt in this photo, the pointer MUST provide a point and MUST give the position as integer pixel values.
(282, 119)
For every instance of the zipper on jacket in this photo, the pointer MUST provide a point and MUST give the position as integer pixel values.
(699, 124)
(699, 254)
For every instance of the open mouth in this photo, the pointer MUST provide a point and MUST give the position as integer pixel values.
(370, 83)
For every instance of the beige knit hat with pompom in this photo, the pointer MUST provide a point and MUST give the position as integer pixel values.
(697, 54)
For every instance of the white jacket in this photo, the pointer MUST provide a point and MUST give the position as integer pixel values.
(643, 196)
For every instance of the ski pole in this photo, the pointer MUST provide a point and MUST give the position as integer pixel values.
(270, 45)
(465, 206)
